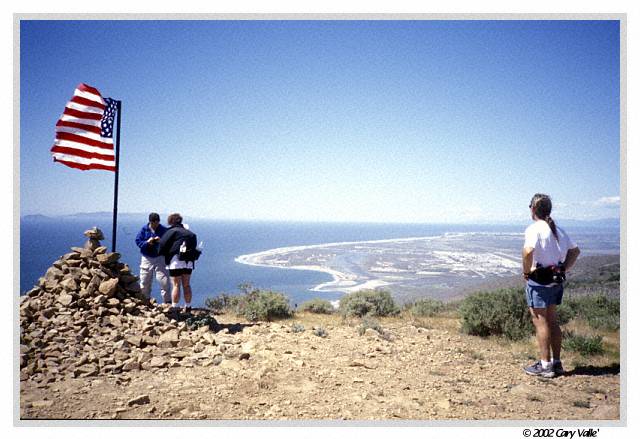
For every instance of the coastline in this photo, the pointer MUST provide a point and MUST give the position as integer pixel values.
(478, 264)
(343, 282)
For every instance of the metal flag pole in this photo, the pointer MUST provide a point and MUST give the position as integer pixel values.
(115, 189)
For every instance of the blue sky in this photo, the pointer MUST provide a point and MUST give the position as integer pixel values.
(400, 121)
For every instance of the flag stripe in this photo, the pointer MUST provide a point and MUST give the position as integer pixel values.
(95, 98)
(82, 132)
(66, 117)
(80, 146)
(81, 153)
(85, 108)
(84, 101)
(81, 126)
(82, 114)
(65, 160)
(83, 160)
(80, 139)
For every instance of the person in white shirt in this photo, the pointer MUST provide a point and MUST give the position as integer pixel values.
(547, 255)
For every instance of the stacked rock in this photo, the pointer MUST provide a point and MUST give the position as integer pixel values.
(87, 316)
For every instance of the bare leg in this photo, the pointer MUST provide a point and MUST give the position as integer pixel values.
(543, 333)
(556, 332)
(186, 286)
(175, 292)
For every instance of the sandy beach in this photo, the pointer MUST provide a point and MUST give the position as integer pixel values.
(383, 273)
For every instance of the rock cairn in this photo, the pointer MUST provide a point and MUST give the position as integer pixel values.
(87, 317)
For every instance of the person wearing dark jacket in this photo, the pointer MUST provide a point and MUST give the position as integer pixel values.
(178, 238)
(151, 262)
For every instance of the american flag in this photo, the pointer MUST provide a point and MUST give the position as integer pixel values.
(84, 132)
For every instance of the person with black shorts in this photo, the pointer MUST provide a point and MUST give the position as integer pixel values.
(175, 239)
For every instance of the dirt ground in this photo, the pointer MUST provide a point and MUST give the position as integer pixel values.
(423, 370)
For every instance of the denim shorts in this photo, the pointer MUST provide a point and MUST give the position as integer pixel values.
(544, 296)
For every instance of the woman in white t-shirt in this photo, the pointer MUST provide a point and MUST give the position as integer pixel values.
(547, 255)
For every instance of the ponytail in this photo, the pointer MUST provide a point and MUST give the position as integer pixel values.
(552, 226)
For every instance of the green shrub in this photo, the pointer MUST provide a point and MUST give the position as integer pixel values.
(598, 310)
(195, 322)
(264, 305)
(564, 314)
(586, 345)
(503, 312)
(317, 306)
(221, 303)
(368, 303)
(297, 327)
(254, 304)
(426, 307)
(369, 323)
(320, 332)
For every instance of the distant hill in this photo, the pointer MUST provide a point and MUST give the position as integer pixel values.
(37, 217)
(103, 216)
(106, 215)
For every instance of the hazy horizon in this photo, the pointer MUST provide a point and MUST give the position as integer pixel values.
(163, 215)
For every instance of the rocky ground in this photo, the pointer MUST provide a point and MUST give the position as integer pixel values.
(91, 347)
(268, 371)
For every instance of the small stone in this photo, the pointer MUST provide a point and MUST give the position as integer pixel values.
(149, 340)
(94, 233)
(42, 404)
(139, 400)
(130, 365)
(158, 362)
(444, 404)
(53, 273)
(108, 258)
(69, 284)
(144, 357)
(172, 336)
(86, 370)
(100, 250)
(135, 340)
(109, 287)
(120, 356)
(65, 299)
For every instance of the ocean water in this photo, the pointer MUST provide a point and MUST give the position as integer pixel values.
(43, 240)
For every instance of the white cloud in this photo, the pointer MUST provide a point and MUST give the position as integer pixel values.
(608, 201)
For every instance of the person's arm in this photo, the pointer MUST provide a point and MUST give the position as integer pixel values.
(572, 257)
(140, 241)
(527, 261)
(530, 242)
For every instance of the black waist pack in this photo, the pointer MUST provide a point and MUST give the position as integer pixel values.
(191, 254)
(548, 275)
